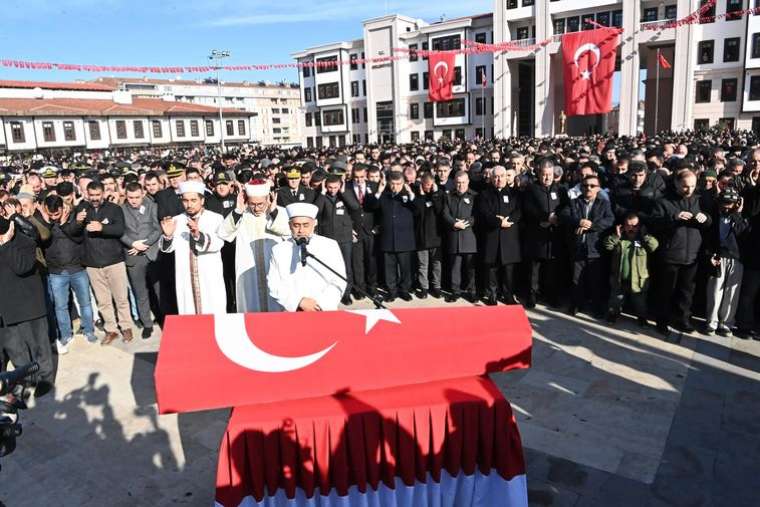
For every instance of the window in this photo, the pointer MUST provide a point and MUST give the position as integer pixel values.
(307, 71)
(414, 111)
(17, 132)
(703, 91)
(329, 64)
(364, 87)
(450, 109)
(333, 117)
(731, 49)
(285, 110)
(447, 43)
(414, 82)
(68, 131)
(511, 4)
(479, 133)
(48, 132)
(121, 129)
(309, 142)
(364, 63)
(479, 106)
(366, 116)
(425, 47)
(527, 3)
(328, 91)
(728, 90)
(559, 26)
(429, 135)
(733, 6)
(356, 115)
(457, 76)
(413, 57)
(446, 133)
(756, 124)
(705, 51)
(754, 88)
(480, 38)
(709, 15)
(480, 74)
(573, 24)
(180, 128)
(157, 129)
(230, 127)
(137, 126)
(617, 18)
(352, 61)
(756, 45)
(671, 12)
(427, 110)
(649, 14)
(415, 136)
(275, 110)
(425, 80)
(276, 130)
(603, 18)
(241, 127)
(459, 133)
(523, 32)
(307, 95)
(319, 141)
(701, 124)
(94, 128)
(726, 123)
(308, 119)
(209, 128)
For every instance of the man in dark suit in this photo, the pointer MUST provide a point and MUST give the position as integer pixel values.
(461, 244)
(430, 201)
(363, 257)
(295, 191)
(586, 219)
(334, 222)
(169, 204)
(499, 213)
(223, 201)
(396, 209)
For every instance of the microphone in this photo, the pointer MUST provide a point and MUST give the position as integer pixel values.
(9, 379)
(302, 242)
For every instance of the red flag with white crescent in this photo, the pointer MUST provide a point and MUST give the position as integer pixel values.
(441, 76)
(589, 63)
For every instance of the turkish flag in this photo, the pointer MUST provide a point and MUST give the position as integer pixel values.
(441, 76)
(664, 63)
(589, 61)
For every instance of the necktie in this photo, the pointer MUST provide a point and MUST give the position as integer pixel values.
(361, 195)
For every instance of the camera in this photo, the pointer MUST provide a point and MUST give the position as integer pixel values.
(12, 396)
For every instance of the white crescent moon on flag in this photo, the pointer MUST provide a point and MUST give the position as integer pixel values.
(587, 48)
(445, 66)
(234, 342)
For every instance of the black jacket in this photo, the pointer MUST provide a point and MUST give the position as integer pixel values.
(364, 218)
(680, 240)
(537, 204)
(460, 207)
(736, 224)
(64, 248)
(626, 200)
(169, 203)
(589, 244)
(751, 239)
(429, 220)
(24, 297)
(221, 205)
(396, 214)
(285, 196)
(104, 248)
(499, 245)
(334, 218)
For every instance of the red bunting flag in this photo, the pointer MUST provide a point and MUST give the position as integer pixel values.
(589, 63)
(441, 76)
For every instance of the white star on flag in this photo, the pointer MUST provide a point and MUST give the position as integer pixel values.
(375, 316)
(585, 75)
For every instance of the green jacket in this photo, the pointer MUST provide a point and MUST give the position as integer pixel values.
(621, 247)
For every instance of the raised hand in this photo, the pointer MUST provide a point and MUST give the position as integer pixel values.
(168, 226)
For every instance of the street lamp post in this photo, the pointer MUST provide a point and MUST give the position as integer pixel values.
(218, 56)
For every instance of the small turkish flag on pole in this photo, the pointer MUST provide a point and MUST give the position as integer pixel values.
(441, 76)
(589, 62)
(664, 63)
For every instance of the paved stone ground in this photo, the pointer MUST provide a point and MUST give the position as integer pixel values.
(609, 415)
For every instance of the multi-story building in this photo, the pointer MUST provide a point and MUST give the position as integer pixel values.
(714, 79)
(276, 104)
(88, 116)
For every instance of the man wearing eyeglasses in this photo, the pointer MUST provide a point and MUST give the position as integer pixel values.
(585, 220)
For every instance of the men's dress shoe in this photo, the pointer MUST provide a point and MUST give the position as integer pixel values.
(491, 301)
(423, 294)
(110, 337)
(686, 328)
(471, 297)
(388, 299)
(745, 334)
(436, 293)
(612, 317)
(346, 300)
(724, 332)
(405, 296)
(642, 321)
(663, 329)
(452, 298)
(126, 335)
(147, 332)
(510, 300)
(530, 302)
(572, 311)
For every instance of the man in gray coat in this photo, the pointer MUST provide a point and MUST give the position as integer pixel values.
(141, 234)
(459, 217)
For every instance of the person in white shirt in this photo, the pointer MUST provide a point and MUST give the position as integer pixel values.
(299, 283)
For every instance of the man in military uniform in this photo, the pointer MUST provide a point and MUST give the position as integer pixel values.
(295, 191)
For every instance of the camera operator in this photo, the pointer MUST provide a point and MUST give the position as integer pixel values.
(23, 317)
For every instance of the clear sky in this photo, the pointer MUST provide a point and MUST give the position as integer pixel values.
(164, 33)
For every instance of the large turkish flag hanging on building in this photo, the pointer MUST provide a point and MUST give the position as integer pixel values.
(441, 76)
(589, 62)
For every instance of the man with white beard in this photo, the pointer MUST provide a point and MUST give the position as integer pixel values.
(258, 224)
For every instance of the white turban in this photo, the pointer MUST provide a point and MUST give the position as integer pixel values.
(192, 186)
(301, 209)
(257, 190)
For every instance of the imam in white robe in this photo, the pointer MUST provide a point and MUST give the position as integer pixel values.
(290, 281)
(256, 236)
(198, 265)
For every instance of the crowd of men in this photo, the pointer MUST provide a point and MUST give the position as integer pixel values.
(597, 224)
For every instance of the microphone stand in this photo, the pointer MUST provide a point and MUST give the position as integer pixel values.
(364, 293)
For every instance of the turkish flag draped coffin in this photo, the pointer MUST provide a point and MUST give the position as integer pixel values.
(589, 63)
(441, 76)
(209, 362)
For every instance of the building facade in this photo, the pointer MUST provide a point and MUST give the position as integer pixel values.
(276, 105)
(38, 116)
(714, 78)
